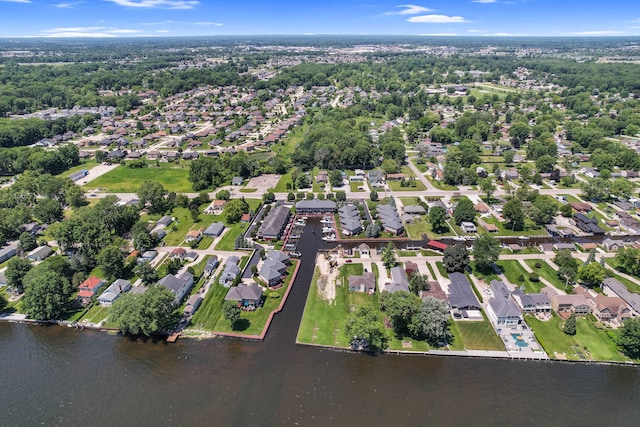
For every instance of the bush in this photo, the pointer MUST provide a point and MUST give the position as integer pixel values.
(538, 265)
(534, 277)
(274, 295)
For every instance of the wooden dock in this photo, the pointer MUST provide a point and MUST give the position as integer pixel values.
(173, 337)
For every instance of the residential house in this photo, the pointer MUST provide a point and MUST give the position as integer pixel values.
(211, 265)
(501, 309)
(532, 303)
(193, 236)
(364, 249)
(613, 287)
(178, 285)
(163, 222)
(178, 253)
(214, 230)
(435, 291)
(249, 297)
(363, 283)
(390, 219)
(193, 303)
(461, 295)
(570, 304)
(350, 220)
(315, 207)
(468, 227)
(231, 271)
(414, 210)
(114, 291)
(89, 288)
(40, 253)
(399, 281)
(148, 256)
(322, 177)
(376, 179)
(274, 224)
(237, 180)
(587, 224)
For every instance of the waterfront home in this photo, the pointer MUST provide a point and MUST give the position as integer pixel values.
(192, 304)
(461, 295)
(231, 271)
(501, 309)
(211, 265)
(114, 291)
(249, 297)
(88, 288)
(566, 305)
(363, 283)
(468, 227)
(165, 221)
(613, 287)
(315, 207)
(274, 224)
(532, 303)
(178, 285)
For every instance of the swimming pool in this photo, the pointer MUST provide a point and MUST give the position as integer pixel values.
(519, 341)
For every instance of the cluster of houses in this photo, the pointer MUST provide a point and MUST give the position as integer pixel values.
(388, 215)
(273, 268)
(350, 220)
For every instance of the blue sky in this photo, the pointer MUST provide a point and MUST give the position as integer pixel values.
(130, 18)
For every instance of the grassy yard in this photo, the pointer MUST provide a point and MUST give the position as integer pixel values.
(96, 314)
(441, 185)
(631, 286)
(513, 270)
(357, 187)
(281, 186)
(531, 230)
(547, 272)
(479, 335)
(227, 241)
(253, 322)
(84, 164)
(323, 322)
(210, 310)
(589, 343)
(126, 180)
(441, 269)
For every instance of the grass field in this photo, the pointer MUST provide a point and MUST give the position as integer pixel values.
(441, 185)
(281, 186)
(227, 241)
(290, 142)
(96, 314)
(126, 180)
(323, 322)
(513, 270)
(589, 343)
(479, 335)
(357, 187)
(84, 164)
(210, 310)
(531, 230)
(547, 272)
(631, 286)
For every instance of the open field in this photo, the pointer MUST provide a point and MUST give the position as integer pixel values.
(479, 335)
(589, 343)
(513, 272)
(547, 272)
(210, 310)
(126, 180)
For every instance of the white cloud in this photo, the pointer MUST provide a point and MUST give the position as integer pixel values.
(483, 1)
(474, 31)
(67, 5)
(87, 32)
(437, 19)
(504, 35)
(215, 24)
(16, 1)
(202, 23)
(161, 4)
(598, 33)
(163, 31)
(411, 9)
(439, 35)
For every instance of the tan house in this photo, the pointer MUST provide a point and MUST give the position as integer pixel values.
(565, 305)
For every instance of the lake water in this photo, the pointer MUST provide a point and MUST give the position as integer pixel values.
(61, 376)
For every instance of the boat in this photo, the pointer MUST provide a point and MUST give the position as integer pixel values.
(329, 238)
(327, 229)
(459, 238)
(295, 254)
(326, 220)
(294, 236)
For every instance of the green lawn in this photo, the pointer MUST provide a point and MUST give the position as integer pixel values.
(126, 180)
(248, 190)
(323, 322)
(479, 335)
(281, 186)
(84, 164)
(457, 343)
(547, 272)
(529, 230)
(96, 314)
(512, 271)
(441, 185)
(253, 322)
(589, 342)
(290, 142)
(227, 241)
(210, 310)
(631, 286)
(441, 269)
(357, 187)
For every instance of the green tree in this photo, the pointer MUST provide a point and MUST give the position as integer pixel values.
(545, 163)
(628, 260)
(48, 211)
(231, 312)
(400, 307)
(543, 210)
(302, 181)
(508, 156)
(153, 195)
(418, 282)
(374, 196)
(513, 213)
(27, 241)
(341, 196)
(234, 209)
(464, 211)
(390, 166)
(520, 131)
(486, 251)
(456, 258)
(431, 322)
(437, 218)
(17, 268)
(566, 211)
(111, 261)
(291, 197)
(223, 195)
(152, 312)
(567, 265)
(269, 197)
(629, 338)
(389, 256)
(365, 327)
(335, 178)
(487, 187)
(74, 197)
(569, 327)
(47, 295)
(591, 275)
(146, 273)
